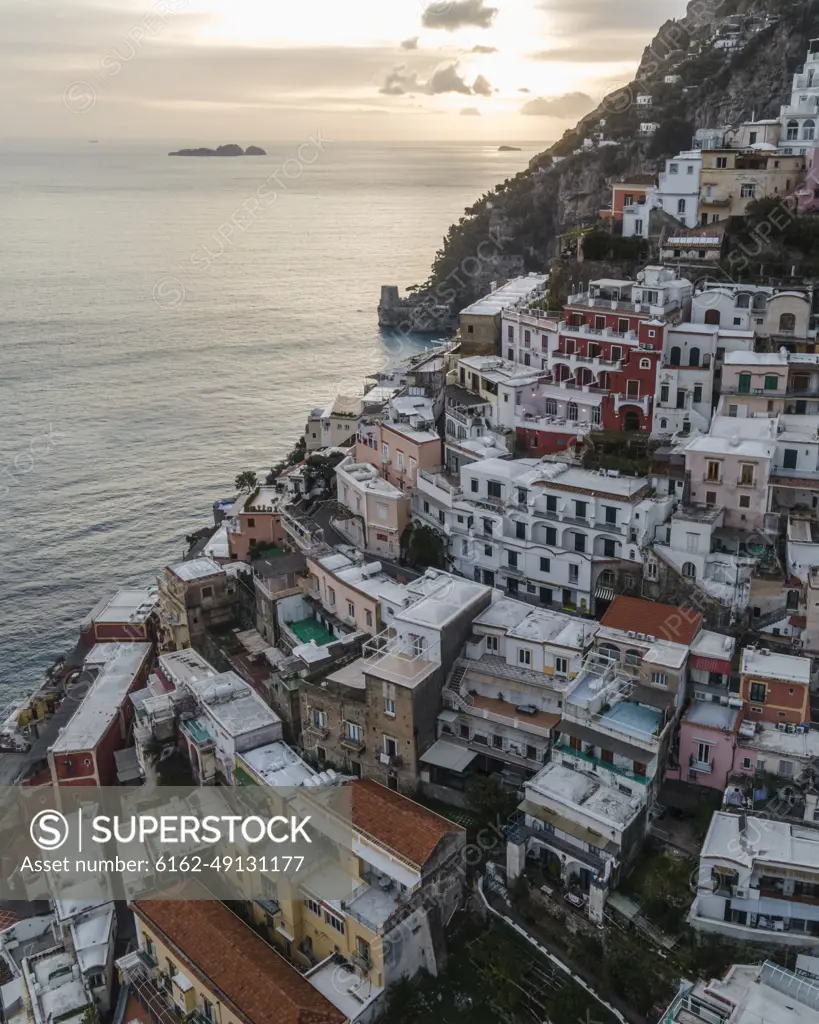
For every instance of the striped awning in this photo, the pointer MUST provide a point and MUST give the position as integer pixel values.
(711, 664)
(604, 593)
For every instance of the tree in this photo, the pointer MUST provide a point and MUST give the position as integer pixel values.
(423, 547)
(246, 481)
(489, 799)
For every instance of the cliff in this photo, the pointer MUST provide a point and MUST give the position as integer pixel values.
(532, 216)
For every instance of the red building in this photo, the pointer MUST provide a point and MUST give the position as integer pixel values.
(83, 753)
(127, 617)
(627, 193)
(610, 343)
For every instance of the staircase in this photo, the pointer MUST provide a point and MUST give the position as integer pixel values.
(453, 692)
(771, 617)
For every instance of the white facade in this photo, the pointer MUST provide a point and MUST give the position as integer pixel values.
(678, 190)
(800, 118)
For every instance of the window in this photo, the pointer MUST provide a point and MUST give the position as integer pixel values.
(681, 206)
(492, 644)
(351, 609)
(497, 742)
(664, 393)
(746, 475)
(426, 507)
(551, 503)
(493, 488)
(771, 382)
(207, 592)
(786, 769)
(399, 461)
(319, 719)
(673, 168)
(207, 1009)
(580, 542)
(758, 691)
(389, 707)
(353, 731)
(732, 411)
(747, 191)
(487, 550)
(334, 922)
(689, 570)
(745, 501)
(381, 511)
(638, 227)
(660, 678)
(790, 458)
(808, 130)
(580, 509)
(512, 586)
(571, 412)
(609, 549)
(390, 746)
(562, 666)
(531, 752)
(473, 486)
(710, 497)
(545, 565)
(524, 657)
(721, 162)
(551, 535)
(551, 407)
(787, 322)
(697, 393)
(645, 364)
(703, 752)
(313, 907)
(520, 531)
(574, 573)
(712, 472)
(513, 559)
(368, 618)
(611, 514)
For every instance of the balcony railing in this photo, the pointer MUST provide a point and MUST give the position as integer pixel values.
(565, 749)
(705, 767)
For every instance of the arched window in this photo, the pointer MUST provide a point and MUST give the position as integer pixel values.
(663, 424)
(759, 303)
(610, 651)
(787, 322)
(680, 206)
(645, 364)
(571, 411)
(743, 300)
(792, 130)
(689, 570)
(606, 578)
(694, 357)
(633, 659)
(551, 407)
(712, 316)
(808, 130)
(674, 357)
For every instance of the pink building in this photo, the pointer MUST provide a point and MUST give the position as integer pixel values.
(257, 524)
(707, 747)
(402, 441)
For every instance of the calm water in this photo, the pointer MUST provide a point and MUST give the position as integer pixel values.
(164, 325)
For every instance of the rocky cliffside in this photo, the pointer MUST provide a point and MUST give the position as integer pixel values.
(533, 214)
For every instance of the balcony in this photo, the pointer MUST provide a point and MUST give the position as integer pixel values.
(610, 528)
(703, 767)
(567, 751)
(642, 402)
(513, 571)
(439, 484)
(318, 732)
(355, 746)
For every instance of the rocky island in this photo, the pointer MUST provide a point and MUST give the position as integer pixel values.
(508, 149)
(230, 150)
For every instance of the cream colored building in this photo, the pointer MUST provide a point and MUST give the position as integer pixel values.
(733, 178)
(377, 511)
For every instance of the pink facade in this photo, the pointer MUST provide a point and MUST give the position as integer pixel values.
(255, 528)
(706, 752)
(398, 451)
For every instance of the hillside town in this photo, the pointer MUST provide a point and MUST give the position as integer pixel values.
(545, 600)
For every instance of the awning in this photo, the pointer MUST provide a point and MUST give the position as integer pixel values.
(446, 754)
(448, 717)
(604, 593)
(711, 664)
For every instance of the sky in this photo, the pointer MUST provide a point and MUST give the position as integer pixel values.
(211, 71)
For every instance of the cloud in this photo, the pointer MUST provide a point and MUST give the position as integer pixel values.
(450, 15)
(470, 112)
(400, 81)
(570, 104)
(410, 44)
(447, 79)
(484, 49)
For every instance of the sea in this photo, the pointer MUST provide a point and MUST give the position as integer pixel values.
(166, 323)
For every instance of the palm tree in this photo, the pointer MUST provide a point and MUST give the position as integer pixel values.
(246, 481)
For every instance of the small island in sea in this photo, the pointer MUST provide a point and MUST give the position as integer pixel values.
(508, 149)
(230, 150)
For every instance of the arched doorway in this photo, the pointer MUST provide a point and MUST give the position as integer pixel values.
(631, 420)
(712, 316)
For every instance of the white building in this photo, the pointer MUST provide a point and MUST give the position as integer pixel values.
(550, 531)
(757, 882)
(678, 190)
(800, 117)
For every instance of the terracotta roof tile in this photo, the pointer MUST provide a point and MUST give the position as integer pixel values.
(399, 823)
(665, 621)
(229, 957)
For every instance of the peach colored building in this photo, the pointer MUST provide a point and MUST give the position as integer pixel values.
(349, 590)
(401, 443)
(257, 524)
(378, 511)
(732, 472)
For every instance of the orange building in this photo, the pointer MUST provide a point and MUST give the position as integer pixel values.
(775, 687)
(626, 193)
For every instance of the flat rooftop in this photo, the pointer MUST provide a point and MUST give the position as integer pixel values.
(196, 569)
(277, 765)
(795, 744)
(756, 359)
(234, 704)
(508, 295)
(712, 716)
(344, 986)
(770, 665)
(184, 667)
(763, 839)
(103, 701)
(568, 787)
(441, 597)
(637, 719)
(133, 606)
(713, 645)
(544, 626)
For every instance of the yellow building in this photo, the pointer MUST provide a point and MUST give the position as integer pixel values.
(733, 178)
(196, 957)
